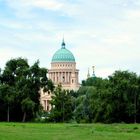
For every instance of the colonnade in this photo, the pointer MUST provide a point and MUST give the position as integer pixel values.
(46, 105)
(60, 77)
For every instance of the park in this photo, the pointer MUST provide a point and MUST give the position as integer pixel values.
(50, 131)
(69, 70)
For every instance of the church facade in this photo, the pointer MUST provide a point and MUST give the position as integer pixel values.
(63, 71)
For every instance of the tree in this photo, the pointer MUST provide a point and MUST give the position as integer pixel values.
(27, 105)
(122, 85)
(84, 104)
(24, 83)
(91, 103)
(116, 99)
(62, 107)
(7, 94)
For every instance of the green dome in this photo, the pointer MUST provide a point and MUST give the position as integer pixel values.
(63, 55)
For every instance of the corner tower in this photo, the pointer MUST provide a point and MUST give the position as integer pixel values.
(63, 69)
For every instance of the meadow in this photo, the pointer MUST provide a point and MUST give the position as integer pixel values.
(44, 131)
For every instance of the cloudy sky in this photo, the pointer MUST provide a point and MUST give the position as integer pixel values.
(104, 33)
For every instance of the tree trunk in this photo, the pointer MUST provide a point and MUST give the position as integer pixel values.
(63, 112)
(24, 117)
(8, 114)
(135, 108)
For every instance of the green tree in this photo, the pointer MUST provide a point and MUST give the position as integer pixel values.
(7, 94)
(62, 108)
(27, 105)
(24, 83)
(124, 88)
(91, 103)
(85, 104)
(115, 99)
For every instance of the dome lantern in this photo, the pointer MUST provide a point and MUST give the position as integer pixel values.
(63, 44)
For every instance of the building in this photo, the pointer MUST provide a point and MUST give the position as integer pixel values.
(93, 73)
(63, 71)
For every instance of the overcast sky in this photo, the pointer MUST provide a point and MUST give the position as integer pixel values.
(104, 33)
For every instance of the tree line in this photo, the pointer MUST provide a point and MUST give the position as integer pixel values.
(110, 100)
(115, 99)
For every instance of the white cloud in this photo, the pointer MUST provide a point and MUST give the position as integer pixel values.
(8, 53)
(13, 24)
(101, 33)
(29, 4)
(47, 4)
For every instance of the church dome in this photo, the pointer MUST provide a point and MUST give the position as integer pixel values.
(63, 55)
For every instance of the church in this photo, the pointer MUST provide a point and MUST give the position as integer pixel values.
(63, 71)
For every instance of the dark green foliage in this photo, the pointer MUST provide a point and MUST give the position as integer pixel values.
(19, 89)
(116, 99)
(125, 95)
(62, 107)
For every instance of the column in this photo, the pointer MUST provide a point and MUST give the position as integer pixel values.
(58, 77)
(68, 77)
(76, 77)
(65, 77)
(54, 77)
(51, 76)
(44, 104)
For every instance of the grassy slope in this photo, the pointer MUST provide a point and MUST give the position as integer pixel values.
(30, 131)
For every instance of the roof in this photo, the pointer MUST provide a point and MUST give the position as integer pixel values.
(63, 55)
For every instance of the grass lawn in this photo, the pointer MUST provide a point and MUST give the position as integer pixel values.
(35, 131)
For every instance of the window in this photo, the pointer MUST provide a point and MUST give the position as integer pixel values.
(63, 79)
(72, 81)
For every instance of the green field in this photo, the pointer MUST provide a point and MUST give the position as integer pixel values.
(32, 131)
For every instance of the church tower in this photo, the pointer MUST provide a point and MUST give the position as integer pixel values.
(88, 74)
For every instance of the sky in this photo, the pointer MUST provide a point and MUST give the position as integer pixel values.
(103, 33)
